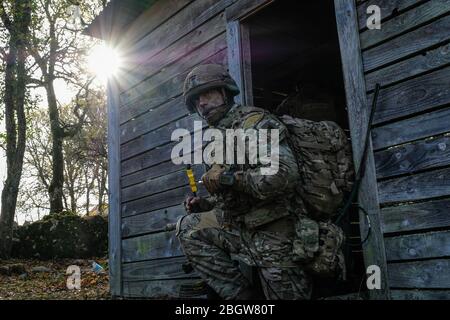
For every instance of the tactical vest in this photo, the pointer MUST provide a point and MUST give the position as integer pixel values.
(323, 155)
(326, 174)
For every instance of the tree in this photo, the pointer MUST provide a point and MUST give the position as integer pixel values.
(86, 156)
(33, 194)
(17, 24)
(57, 51)
(93, 140)
(85, 159)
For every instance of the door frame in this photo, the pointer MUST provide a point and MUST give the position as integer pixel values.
(239, 64)
(238, 41)
(358, 116)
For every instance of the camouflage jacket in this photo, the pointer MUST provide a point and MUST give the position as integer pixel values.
(261, 198)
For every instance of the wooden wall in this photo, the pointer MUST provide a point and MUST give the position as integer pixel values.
(410, 58)
(168, 40)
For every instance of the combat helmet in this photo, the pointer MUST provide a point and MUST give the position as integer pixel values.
(205, 77)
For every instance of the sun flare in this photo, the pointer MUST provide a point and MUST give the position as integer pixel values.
(104, 62)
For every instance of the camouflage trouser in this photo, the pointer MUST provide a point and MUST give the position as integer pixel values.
(214, 251)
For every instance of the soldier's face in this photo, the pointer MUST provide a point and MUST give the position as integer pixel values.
(210, 105)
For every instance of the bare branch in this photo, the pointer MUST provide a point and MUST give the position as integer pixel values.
(38, 59)
(5, 19)
(37, 82)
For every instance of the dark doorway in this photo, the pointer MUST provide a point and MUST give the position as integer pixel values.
(294, 67)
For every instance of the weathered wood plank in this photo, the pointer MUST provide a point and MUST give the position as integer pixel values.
(158, 137)
(418, 246)
(407, 44)
(347, 27)
(114, 189)
(404, 22)
(148, 21)
(411, 129)
(164, 183)
(178, 50)
(147, 159)
(241, 9)
(409, 158)
(152, 246)
(348, 296)
(418, 216)
(166, 289)
(420, 274)
(173, 109)
(420, 294)
(417, 187)
(388, 8)
(184, 64)
(158, 201)
(234, 57)
(160, 184)
(149, 173)
(180, 25)
(153, 157)
(412, 96)
(169, 89)
(247, 65)
(151, 221)
(102, 27)
(428, 61)
(161, 269)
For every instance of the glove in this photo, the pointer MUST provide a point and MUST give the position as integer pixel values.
(239, 181)
(211, 178)
(197, 204)
(192, 204)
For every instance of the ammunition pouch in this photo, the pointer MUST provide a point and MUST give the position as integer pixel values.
(318, 247)
(306, 244)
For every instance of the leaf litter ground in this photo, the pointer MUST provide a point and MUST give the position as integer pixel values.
(53, 284)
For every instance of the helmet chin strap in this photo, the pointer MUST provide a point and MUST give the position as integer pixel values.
(225, 103)
(225, 96)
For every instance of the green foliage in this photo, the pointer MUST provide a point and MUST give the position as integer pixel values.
(59, 215)
(3, 140)
(63, 235)
(85, 150)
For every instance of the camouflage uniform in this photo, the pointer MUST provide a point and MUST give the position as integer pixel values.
(255, 223)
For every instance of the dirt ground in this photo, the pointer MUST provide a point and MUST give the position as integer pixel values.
(51, 283)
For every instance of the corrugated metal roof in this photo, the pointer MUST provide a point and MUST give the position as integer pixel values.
(116, 15)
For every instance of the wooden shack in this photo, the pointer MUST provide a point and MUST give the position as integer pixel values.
(269, 47)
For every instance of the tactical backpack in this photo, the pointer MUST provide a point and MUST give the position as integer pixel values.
(325, 164)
